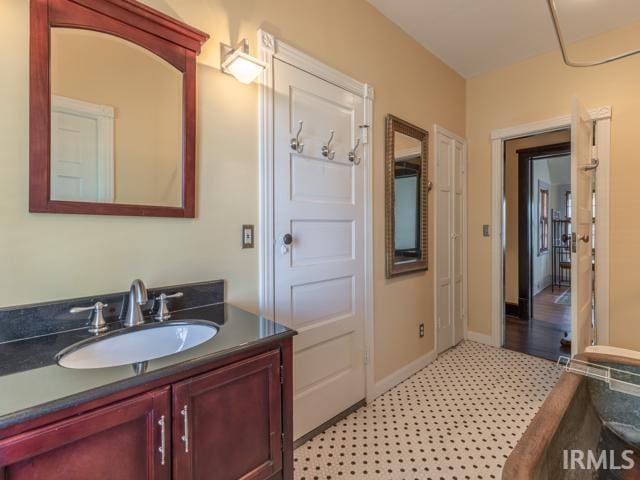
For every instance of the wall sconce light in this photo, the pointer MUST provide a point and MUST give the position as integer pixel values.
(238, 62)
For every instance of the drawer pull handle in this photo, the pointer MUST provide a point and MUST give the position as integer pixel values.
(162, 447)
(185, 419)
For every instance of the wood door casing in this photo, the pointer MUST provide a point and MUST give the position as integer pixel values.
(118, 441)
(233, 422)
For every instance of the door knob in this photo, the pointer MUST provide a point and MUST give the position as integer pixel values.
(584, 238)
(287, 239)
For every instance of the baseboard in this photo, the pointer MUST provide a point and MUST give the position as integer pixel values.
(512, 309)
(544, 283)
(329, 423)
(401, 374)
(479, 337)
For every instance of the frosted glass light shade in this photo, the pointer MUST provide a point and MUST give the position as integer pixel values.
(243, 66)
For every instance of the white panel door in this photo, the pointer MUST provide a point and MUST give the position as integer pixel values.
(581, 225)
(74, 157)
(459, 179)
(319, 276)
(450, 191)
(82, 150)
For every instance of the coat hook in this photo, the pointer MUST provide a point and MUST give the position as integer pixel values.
(295, 142)
(326, 149)
(352, 153)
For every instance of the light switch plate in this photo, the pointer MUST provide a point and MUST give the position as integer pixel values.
(486, 230)
(247, 236)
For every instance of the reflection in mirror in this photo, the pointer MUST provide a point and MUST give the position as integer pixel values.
(406, 167)
(116, 122)
(407, 156)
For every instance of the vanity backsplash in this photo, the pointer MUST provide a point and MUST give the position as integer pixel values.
(25, 321)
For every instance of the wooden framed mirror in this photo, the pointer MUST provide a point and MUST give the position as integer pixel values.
(112, 109)
(406, 188)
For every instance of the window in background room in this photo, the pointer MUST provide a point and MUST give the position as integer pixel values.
(543, 219)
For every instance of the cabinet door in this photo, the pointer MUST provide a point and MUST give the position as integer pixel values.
(121, 441)
(228, 423)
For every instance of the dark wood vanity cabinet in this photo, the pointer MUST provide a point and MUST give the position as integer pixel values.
(121, 441)
(229, 422)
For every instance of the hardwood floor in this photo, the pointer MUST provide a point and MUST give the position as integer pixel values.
(546, 309)
(541, 337)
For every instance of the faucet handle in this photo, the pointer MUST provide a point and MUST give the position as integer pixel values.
(163, 312)
(98, 323)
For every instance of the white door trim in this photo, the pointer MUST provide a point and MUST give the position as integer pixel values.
(602, 116)
(438, 129)
(104, 116)
(271, 48)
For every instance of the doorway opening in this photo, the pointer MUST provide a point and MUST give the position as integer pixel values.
(537, 263)
(590, 140)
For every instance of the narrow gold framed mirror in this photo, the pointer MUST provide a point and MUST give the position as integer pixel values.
(406, 188)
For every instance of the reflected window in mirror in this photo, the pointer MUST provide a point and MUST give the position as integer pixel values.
(406, 158)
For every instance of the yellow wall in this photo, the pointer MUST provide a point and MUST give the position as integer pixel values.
(45, 257)
(538, 89)
(146, 93)
(511, 203)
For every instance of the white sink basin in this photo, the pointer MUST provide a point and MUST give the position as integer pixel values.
(136, 344)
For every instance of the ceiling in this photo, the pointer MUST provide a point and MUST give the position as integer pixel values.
(475, 36)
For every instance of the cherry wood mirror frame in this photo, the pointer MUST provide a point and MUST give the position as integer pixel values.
(176, 43)
(393, 125)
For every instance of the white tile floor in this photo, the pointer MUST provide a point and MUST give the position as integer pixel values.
(458, 418)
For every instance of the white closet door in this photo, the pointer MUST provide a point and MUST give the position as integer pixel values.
(450, 238)
(459, 220)
(444, 231)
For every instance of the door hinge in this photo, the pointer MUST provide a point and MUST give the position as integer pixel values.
(281, 374)
(364, 133)
(366, 355)
(282, 442)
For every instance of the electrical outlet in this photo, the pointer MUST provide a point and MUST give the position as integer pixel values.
(247, 236)
(421, 330)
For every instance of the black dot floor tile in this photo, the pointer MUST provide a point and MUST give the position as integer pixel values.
(458, 418)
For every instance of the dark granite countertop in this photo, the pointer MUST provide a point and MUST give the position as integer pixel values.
(33, 384)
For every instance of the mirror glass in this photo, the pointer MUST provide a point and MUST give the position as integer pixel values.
(116, 122)
(407, 172)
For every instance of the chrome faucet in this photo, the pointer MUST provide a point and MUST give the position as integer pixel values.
(137, 297)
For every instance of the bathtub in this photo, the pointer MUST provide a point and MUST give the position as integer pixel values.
(582, 418)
